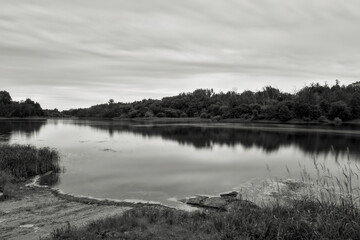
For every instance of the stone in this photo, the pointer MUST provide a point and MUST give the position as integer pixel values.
(215, 202)
(183, 200)
(230, 196)
(198, 201)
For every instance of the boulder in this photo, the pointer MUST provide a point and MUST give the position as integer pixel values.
(230, 195)
(197, 201)
(215, 202)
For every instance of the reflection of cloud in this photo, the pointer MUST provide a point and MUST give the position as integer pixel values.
(126, 50)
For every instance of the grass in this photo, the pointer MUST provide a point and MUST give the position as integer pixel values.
(20, 162)
(303, 220)
(328, 208)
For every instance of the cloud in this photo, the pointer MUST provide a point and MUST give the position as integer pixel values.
(81, 52)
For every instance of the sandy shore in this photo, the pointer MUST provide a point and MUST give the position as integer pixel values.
(35, 212)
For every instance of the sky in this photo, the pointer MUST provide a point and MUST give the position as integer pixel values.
(77, 53)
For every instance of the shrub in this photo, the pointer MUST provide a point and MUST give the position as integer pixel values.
(216, 118)
(339, 109)
(355, 105)
(160, 115)
(337, 121)
(284, 113)
(149, 114)
(323, 119)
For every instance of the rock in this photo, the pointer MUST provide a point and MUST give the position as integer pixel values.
(241, 205)
(198, 201)
(229, 196)
(183, 200)
(215, 202)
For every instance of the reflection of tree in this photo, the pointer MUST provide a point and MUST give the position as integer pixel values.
(51, 179)
(24, 126)
(269, 140)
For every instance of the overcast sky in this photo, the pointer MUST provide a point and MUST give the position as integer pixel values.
(77, 53)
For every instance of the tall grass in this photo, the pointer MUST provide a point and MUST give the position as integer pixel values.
(19, 162)
(303, 220)
(340, 187)
(25, 161)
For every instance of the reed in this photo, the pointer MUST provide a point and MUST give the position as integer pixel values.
(25, 161)
(20, 162)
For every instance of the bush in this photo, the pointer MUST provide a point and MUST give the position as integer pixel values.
(160, 115)
(337, 121)
(216, 118)
(323, 119)
(339, 109)
(284, 113)
(149, 114)
(355, 105)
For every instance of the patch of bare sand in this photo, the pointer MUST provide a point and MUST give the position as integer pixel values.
(35, 212)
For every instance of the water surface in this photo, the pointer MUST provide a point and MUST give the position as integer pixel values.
(164, 162)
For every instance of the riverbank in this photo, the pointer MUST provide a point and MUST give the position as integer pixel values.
(156, 120)
(34, 212)
(302, 219)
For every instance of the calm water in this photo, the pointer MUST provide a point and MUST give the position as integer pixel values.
(164, 162)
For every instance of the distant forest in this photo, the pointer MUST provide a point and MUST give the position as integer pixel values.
(314, 102)
(10, 108)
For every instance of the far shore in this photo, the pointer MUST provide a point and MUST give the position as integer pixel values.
(230, 120)
(156, 120)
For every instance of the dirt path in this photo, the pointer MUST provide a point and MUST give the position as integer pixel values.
(37, 211)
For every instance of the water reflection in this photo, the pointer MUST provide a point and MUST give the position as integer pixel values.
(329, 141)
(26, 127)
(109, 159)
(51, 179)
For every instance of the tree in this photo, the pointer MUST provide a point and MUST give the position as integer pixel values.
(355, 105)
(284, 113)
(5, 97)
(339, 109)
(111, 101)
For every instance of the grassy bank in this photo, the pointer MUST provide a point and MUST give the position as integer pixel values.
(20, 162)
(303, 219)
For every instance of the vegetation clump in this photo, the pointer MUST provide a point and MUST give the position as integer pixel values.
(20, 162)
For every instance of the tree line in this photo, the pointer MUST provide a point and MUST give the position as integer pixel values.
(10, 108)
(314, 102)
